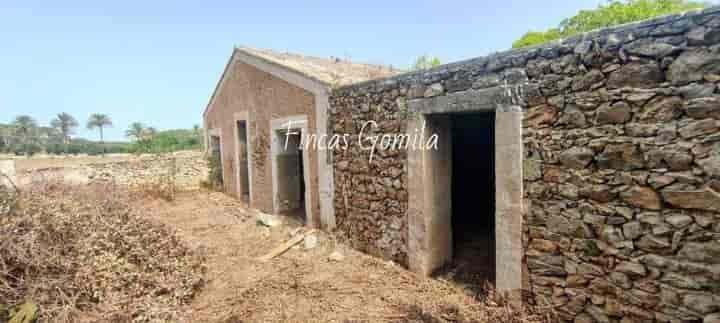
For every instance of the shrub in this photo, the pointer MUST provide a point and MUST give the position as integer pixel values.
(77, 252)
(28, 149)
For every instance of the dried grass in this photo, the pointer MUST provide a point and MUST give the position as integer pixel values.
(396, 296)
(160, 189)
(84, 254)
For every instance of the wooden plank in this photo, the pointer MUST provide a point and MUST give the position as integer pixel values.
(279, 250)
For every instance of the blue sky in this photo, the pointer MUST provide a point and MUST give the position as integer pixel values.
(158, 61)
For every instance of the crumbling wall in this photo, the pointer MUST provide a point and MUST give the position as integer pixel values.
(8, 192)
(7, 172)
(186, 170)
(622, 165)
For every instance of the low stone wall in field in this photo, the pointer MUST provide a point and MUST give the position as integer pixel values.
(186, 170)
(7, 172)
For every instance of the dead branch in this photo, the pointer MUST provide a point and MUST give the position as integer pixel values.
(12, 183)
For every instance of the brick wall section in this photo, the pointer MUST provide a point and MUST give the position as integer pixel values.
(264, 97)
(622, 165)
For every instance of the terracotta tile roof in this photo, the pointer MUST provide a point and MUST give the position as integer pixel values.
(332, 71)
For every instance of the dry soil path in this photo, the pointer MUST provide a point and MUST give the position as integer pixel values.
(301, 285)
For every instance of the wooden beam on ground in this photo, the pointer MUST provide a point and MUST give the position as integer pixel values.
(279, 250)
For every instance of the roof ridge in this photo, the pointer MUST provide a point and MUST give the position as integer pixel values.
(335, 59)
(333, 70)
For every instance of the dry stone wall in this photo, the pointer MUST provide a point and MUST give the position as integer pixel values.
(621, 171)
(7, 172)
(186, 170)
(371, 197)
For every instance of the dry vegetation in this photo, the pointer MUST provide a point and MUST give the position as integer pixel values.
(85, 254)
(101, 254)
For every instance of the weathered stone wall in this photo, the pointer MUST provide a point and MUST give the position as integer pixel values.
(186, 170)
(7, 172)
(622, 164)
(370, 198)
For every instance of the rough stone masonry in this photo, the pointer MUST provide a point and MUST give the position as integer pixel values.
(621, 178)
(185, 170)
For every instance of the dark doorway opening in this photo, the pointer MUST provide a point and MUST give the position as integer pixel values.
(291, 179)
(473, 199)
(243, 164)
(216, 166)
(301, 171)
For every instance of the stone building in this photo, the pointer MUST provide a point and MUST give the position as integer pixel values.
(261, 96)
(583, 171)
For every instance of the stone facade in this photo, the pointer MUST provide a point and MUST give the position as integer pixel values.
(621, 175)
(187, 170)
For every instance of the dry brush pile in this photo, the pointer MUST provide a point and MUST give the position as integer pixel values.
(85, 254)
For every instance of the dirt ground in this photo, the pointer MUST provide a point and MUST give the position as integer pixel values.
(304, 285)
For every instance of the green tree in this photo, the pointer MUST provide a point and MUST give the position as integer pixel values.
(99, 121)
(537, 37)
(198, 134)
(25, 128)
(65, 125)
(136, 131)
(425, 62)
(614, 12)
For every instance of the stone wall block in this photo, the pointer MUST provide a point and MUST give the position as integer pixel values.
(621, 173)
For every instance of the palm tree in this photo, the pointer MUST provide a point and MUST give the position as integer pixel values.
(24, 128)
(149, 133)
(136, 131)
(99, 121)
(65, 124)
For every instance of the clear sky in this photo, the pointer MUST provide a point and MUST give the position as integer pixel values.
(158, 61)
